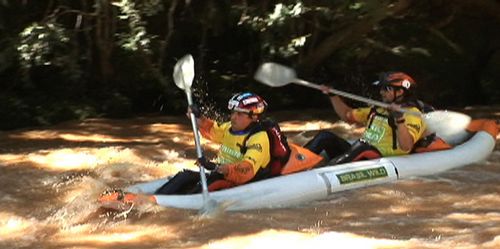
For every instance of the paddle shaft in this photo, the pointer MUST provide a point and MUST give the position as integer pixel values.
(352, 96)
(183, 77)
(199, 152)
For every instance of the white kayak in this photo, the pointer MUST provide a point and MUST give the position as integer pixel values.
(322, 183)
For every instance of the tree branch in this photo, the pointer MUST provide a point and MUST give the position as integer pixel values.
(351, 33)
(169, 34)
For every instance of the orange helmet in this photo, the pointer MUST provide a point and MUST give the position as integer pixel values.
(247, 102)
(395, 79)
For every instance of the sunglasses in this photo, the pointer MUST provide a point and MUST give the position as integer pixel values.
(387, 88)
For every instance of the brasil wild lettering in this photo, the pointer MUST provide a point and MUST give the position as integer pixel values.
(362, 175)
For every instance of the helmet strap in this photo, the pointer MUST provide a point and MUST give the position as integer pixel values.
(400, 98)
(257, 116)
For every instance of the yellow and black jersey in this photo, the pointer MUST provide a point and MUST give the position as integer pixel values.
(379, 132)
(257, 146)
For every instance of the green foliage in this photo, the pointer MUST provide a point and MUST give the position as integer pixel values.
(151, 7)
(117, 106)
(66, 59)
(14, 112)
(48, 45)
(136, 38)
(278, 39)
(53, 112)
(7, 54)
(139, 86)
(20, 112)
(42, 44)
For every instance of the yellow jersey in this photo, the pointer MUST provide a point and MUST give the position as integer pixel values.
(379, 132)
(257, 146)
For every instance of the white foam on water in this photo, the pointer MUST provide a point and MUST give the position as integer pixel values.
(18, 231)
(299, 240)
(327, 240)
(79, 202)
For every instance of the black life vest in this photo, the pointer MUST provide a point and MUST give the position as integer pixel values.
(279, 149)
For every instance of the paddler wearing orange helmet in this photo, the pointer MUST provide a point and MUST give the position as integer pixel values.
(388, 132)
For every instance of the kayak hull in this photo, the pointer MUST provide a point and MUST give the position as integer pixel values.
(321, 183)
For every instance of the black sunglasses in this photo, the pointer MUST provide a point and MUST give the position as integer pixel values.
(386, 88)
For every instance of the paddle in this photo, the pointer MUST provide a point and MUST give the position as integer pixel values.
(276, 75)
(183, 77)
(448, 125)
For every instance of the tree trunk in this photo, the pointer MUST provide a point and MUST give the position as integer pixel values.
(104, 36)
(351, 34)
(170, 32)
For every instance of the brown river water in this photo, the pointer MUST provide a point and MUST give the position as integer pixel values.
(50, 178)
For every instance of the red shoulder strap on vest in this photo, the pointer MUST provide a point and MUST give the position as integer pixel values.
(278, 145)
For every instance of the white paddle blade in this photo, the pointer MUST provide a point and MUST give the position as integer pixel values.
(275, 75)
(184, 72)
(448, 125)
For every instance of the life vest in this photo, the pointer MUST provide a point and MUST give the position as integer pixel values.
(390, 120)
(285, 158)
(420, 105)
(278, 146)
(430, 142)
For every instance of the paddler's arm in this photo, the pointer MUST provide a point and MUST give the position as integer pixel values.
(204, 124)
(340, 107)
(239, 173)
(405, 139)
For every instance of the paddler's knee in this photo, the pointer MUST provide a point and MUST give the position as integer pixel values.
(328, 145)
(316, 144)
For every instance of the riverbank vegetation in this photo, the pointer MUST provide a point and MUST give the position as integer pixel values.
(66, 59)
